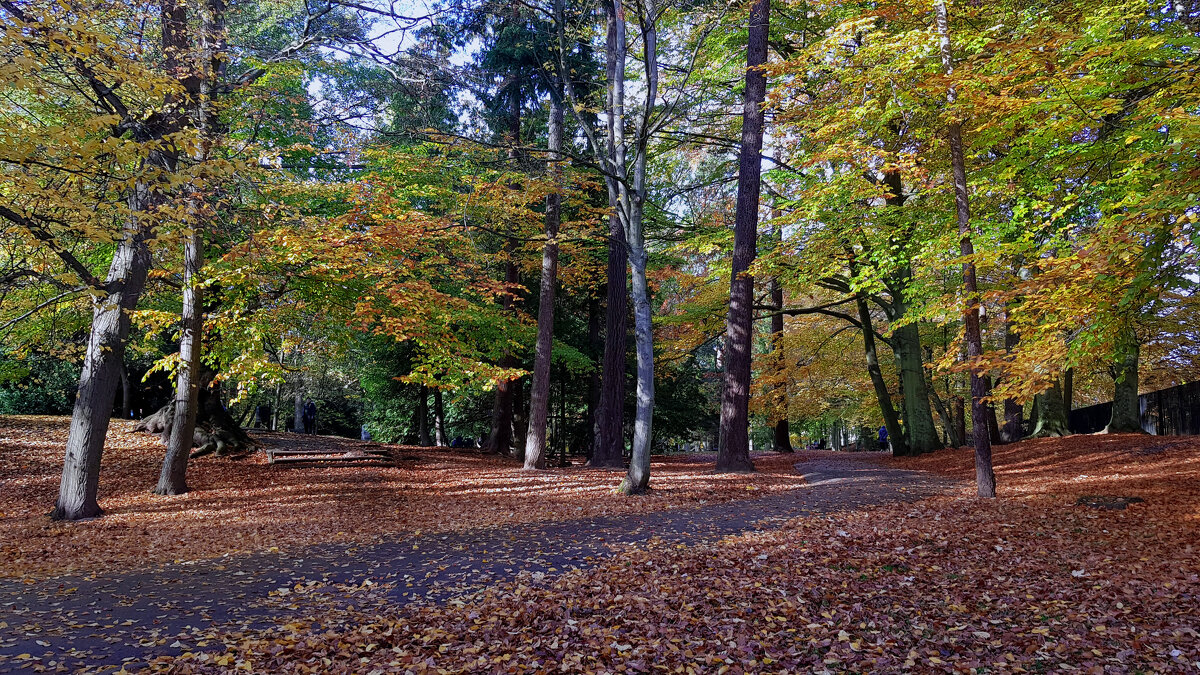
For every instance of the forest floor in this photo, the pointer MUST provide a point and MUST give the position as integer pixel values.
(867, 567)
(104, 621)
(245, 505)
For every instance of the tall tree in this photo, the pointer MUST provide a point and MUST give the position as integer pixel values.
(206, 72)
(985, 478)
(539, 395)
(610, 410)
(779, 395)
(734, 441)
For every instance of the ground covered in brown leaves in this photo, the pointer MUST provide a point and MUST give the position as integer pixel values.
(1030, 582)
(249, 505)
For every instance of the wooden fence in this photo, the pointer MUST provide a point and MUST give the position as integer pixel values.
(1167, 412)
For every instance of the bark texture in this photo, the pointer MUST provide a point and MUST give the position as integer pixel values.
(1011, 430)
(439, 419)
(500, 439)
(985, 478)
(890, 420)
(172, 479)
(215, 430)
(779, 397)
(77, 494)
(610, 411)
(1051, 413)
(733, 453)
(1126, 412)
(539, 394)
(920, 432)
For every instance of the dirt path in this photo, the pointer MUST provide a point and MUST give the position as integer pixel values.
(109, 621)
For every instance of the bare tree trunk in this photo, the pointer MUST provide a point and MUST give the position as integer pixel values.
(520, 419)
(890, 420)
(949, 421)
(1068, 381)
(172, 480)
(500, 440)
(299, 394)
(126, 394)
(610, 412)
(1126, 412)
(539, 395)
(959, 414)
(992, 422)
(1011, 431)
(734, 451)
(439, 419)
(637, 480)
(595, 350)
(423, 417)
(101, 365)
(985, 478)
(779, 403)
(920, 432)
(211, 67)
(1051, 413)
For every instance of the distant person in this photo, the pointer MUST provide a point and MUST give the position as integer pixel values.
(310, 417)
(883, 439)
(366, 435)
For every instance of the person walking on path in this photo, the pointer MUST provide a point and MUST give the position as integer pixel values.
(310, 417)
(883, 439)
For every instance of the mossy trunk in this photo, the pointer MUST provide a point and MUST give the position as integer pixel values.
(1126, 413)
(1051, 414)
(920, 431)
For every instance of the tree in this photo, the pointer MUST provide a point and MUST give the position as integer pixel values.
(985, 478)
(203, 75)
(539, 396)
(72, 55)
(734, 451)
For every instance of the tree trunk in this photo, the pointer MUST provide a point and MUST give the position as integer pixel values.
(126, 394)
(637, 480)
(520, 419)
(1052, 414)
(959, 414)
(949, 421)
(890, 421)
(609, 450)
(733, 453)
(779, 403)
(539, 394)
(595, 349)
(201, 87)
(101, 367)
(172, 479)
(1011, 431)
(500, 439)
(920, 433)
(439, 419)
(1069, 391)
(299, 405)
(992, 422)
(423, 417)
(985, 478)
(1126, 413)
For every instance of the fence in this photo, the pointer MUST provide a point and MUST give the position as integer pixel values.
(1167, 412)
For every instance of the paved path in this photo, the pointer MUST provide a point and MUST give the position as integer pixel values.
(112, 620)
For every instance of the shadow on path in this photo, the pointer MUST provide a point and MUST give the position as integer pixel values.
(110, 621)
